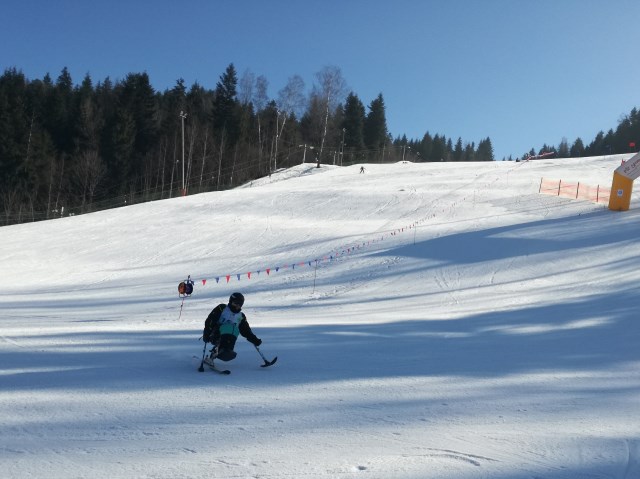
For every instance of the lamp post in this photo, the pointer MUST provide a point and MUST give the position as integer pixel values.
(183, 115)
(342, 147)
(304, 155)
(403, 149)
(275, 156)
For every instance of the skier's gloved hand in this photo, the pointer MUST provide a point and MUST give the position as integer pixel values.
(257, 341)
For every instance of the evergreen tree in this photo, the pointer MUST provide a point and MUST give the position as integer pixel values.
(225, 113)
(137, 96)
(469, 152)
(457, 151)
(131, 131)
(484, 151)
(596, 147)
(14, 129)
(449, 150)
(439, 148)
(375, 125)
(88, 121)
(312, 122)
(353, 123)
(577, 149)
(426, 147)
(106, 105)
(66, 145)
(59, 112)
(120, 165)
(563, 149)
(609, 143)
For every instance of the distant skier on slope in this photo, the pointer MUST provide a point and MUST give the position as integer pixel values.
(222, 327)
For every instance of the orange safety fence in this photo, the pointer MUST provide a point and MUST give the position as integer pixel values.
(578, 191)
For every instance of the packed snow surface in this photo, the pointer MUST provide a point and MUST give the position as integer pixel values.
(433, 320)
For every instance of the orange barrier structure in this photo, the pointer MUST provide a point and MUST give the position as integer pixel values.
(622, 184)
(578, 191)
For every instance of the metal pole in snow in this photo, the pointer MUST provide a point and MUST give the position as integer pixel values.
(315, 271)
(183, 115)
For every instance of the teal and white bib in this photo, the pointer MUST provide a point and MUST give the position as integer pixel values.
(230, 322)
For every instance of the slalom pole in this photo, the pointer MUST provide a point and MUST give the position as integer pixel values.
(180, 315)
(315, 272)
(185, 292)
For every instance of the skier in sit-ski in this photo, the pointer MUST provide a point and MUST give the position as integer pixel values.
(222, 327)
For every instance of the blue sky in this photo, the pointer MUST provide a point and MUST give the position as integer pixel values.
(522, 72)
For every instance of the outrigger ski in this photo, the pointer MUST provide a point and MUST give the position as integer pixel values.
(267, 363)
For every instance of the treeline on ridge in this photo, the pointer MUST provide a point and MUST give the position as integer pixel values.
(70, 149)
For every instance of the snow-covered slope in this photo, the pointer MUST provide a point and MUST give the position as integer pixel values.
(431, 321)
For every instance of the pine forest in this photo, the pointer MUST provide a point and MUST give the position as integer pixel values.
(69, 149)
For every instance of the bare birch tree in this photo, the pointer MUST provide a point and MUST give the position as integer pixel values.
(291, 101)
(260, 100)
(331, 89)
(245, 87)
(88, 173)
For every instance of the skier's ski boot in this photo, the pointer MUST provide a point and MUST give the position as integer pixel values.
(209, 359)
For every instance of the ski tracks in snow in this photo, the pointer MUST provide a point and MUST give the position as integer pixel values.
(410, 456)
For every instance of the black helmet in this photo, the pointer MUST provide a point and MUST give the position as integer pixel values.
(236, 298)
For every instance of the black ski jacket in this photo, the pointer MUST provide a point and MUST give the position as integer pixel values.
(211, 331)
